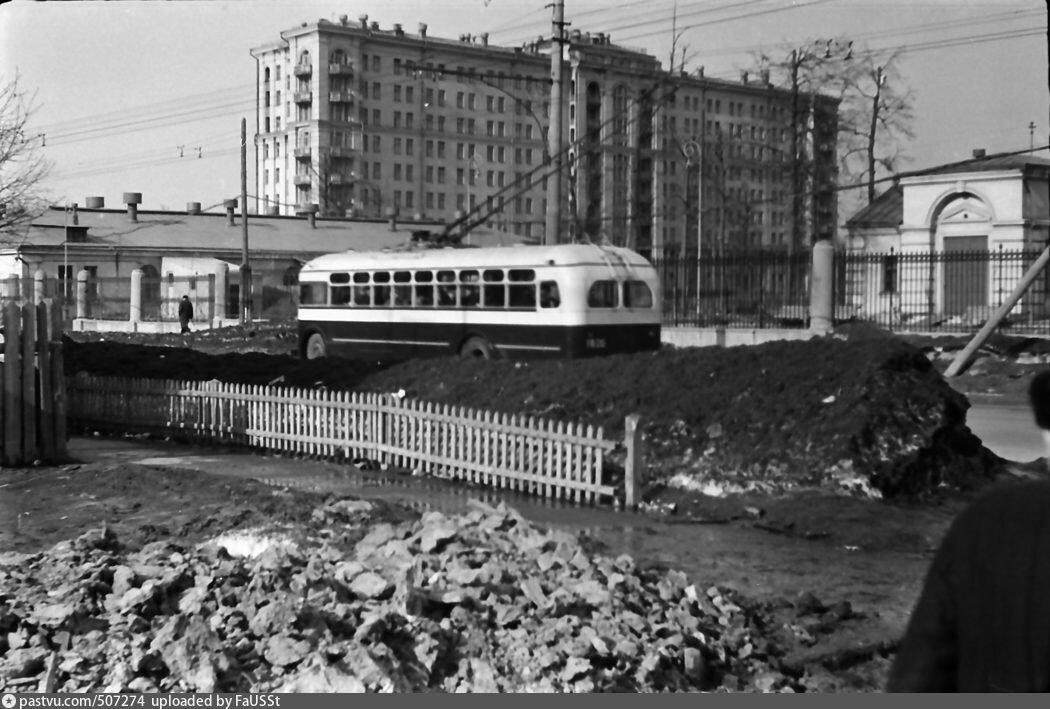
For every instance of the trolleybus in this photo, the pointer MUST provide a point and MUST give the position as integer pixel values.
(570, 300)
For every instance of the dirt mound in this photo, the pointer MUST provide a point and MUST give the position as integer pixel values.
(477, 602)
(861, 410)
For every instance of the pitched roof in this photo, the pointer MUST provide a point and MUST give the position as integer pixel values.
(211, 233)
(989, 163)
(887, 210)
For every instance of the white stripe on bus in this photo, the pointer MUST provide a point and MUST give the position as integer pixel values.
(358, 341)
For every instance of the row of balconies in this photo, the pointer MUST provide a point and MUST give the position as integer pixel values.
(303, 179)
(333, 96)
(336, 151)
(344, 69)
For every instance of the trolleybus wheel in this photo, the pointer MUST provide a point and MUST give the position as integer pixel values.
(477, 348)
(315, 346)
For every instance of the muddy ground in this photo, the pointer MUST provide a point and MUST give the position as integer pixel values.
(794, 437)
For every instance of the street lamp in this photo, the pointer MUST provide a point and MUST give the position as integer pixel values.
(693, 152)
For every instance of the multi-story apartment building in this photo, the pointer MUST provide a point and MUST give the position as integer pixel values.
(354, 119)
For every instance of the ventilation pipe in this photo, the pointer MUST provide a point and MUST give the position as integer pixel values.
(94, 202)
(133, 200)
(230, 204)
(193, 208)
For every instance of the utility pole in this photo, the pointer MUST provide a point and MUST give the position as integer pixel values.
(246, 270)
(552, 234)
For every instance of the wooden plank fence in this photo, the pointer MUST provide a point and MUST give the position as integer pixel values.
(552, 459)
(33, 410)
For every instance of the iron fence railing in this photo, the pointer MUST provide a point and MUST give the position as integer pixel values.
(950, 291)
(941, 291)
(759, 290)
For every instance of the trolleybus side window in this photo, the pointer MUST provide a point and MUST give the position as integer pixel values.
(602, 294)
(636, 294)
(446, 290)
(495, 292)
(549, 295)
(424, 289)
(381, 289)
(522, 288)
(313, 294)
(469, 291)
(340, 288)
(362, 291)
(402, 291)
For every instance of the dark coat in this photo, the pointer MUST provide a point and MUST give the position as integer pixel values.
(185, 310)
(982, 622)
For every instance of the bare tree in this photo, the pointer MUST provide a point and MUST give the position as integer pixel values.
(22, 164)
(875, 105)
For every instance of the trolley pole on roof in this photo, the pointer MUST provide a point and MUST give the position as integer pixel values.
(246, 270)
(552, 234)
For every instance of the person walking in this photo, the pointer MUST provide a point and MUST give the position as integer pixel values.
(185, 313)
(982, 621)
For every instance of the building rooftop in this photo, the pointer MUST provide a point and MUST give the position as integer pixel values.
(886, 210)
(212, 233)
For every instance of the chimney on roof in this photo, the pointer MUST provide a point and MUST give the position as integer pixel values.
(700, 71)
(230, 204)
(744, 77)
(76, 217)
(375, 26)
(979, 152)
(342, 20)
(484, 39)
(363, 19)
(423, 29)
(193, 208)
(397, 29)
(133, 199)
(94, 202)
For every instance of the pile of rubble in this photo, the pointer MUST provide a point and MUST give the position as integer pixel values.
(477, 602)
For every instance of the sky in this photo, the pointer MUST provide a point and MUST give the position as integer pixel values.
(148, 95)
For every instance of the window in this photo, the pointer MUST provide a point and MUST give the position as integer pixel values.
(402, 288)
(636, 294)
(381, 288)
(314, 294)
(375, 90)
(340, 288)
(602, 294)
(550, 297)
(522, 289)
(469, 292)
(445, 290)
(424, 290)
(494, 291)
(397, 87)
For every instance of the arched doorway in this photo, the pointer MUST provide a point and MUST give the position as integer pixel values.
(962, 226)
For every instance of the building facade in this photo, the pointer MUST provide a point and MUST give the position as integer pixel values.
(361, 120)
(954, 239)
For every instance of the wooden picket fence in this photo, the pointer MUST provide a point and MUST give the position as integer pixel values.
(33, 411)
(556, 460)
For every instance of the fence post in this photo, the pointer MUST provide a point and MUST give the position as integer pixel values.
(222, 277)
(38, 287)
(821, 301)
(136, 296)
(633, 463)
(82, 304)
